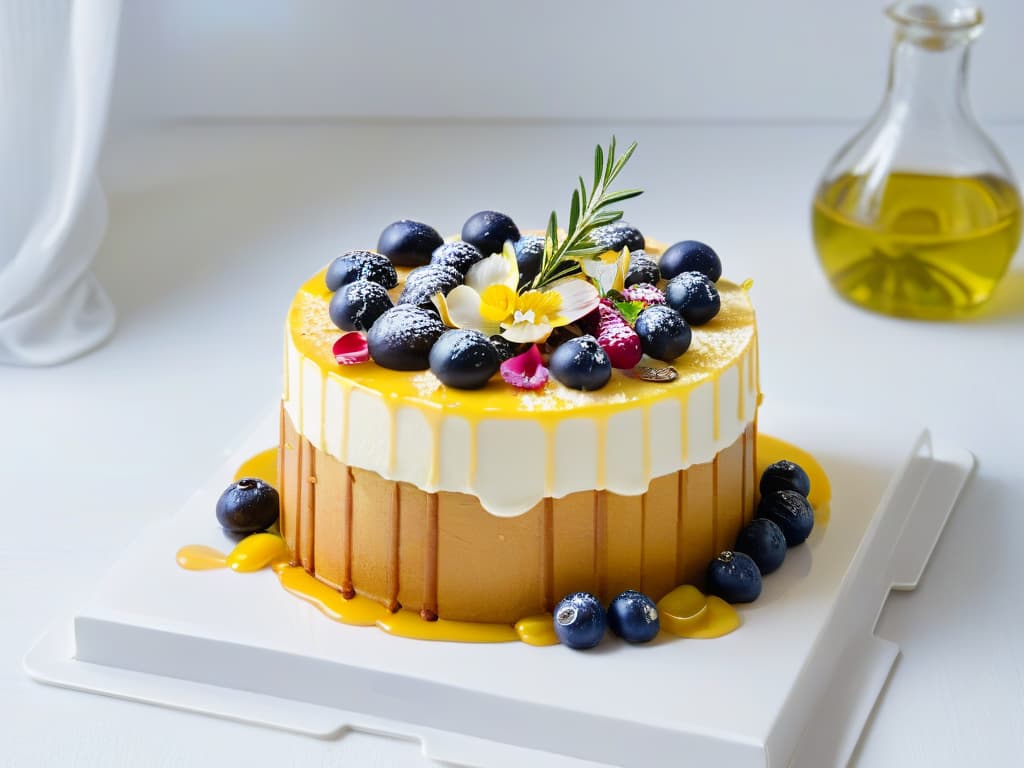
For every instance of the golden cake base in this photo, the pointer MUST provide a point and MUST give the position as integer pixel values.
(444, 555)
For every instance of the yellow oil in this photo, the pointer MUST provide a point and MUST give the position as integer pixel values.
(935, 248)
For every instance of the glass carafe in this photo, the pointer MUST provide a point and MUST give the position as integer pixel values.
(919, 214)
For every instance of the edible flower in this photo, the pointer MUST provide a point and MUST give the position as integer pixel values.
(489, 302)
(525, 371)
(351, 349)
(607, 270)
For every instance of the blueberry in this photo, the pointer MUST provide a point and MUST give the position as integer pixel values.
(529, 253)
(360, 265)
(248, 506)
(764, 541)
(619, 235)
(579, 620)
(402, 337)
(464, 359)
(693, 296)
(356, 306)
(642, 270)
(664, 335)
(488, 231)
(408, 243)
(421, 284)
(581, 363)
(459, 256)
(690, 256)
(506, 349)
(791, 511)
(633, 617)
(785, 476)
(733, 576)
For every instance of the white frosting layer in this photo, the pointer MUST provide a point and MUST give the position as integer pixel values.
(510, 464)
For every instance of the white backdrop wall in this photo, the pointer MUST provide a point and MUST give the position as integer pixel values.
(689, 59)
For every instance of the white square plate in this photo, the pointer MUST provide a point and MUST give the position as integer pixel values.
(793, 686)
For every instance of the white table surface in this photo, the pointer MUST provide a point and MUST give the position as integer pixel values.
(214, 226)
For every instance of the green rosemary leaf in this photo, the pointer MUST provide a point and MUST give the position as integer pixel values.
(586, 212)
(622, 161)
(610, 161)
(617, 197)
(587, 250)
(550, 239)
(605, 217)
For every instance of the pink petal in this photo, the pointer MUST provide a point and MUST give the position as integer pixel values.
(525, 371)
(351, 349)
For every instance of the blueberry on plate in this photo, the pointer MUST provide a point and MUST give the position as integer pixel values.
(764, 542)
(791, 511)
(581, 363)
(361, 265)
(664, 335)
(248, 506)
(529, 253)
(690, 256)
(693, 296)
(579, 620)
(464, 359)
(642, 269)
(402, 337)
(633, 616)
(618, 235)
(421, 284)
(785, 476)
(459, 256)
(733, 576)
(408, 243)
(356, 306)
(488, 231)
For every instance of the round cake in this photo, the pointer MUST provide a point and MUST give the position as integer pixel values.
(491, 504)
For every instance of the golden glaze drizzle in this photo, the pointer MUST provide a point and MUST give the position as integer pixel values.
(262, 466)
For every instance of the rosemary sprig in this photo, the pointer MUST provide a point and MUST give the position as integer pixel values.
(586, 213)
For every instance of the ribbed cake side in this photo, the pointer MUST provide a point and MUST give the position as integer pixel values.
(444, 555)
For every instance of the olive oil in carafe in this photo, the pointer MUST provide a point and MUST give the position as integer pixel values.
(935, 247)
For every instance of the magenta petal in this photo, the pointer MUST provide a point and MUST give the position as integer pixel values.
(351, 349)
(525, 371)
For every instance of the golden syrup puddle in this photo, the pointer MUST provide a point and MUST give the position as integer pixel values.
(684, 612)
(262, 466)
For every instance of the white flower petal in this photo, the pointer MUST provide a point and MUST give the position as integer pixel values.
(579, 297)
(527, 333)
(463, 304)
(602, 272)
(494, 270)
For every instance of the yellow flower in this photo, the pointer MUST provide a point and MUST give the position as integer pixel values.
(488, 301)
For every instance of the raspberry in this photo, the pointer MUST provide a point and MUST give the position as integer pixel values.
(644, 292)
(614, 334)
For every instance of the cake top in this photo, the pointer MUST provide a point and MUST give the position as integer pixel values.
(583, 306)
(716, 346)
(516, 367)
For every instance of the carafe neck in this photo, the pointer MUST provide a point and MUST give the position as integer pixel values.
(929, 83)
(928, 67)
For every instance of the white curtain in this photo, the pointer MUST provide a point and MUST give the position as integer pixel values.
(56, 63)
